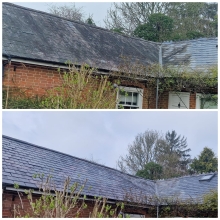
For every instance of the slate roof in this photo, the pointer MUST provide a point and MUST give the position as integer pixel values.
(199, 53)
(39, 36)
(186, 187)
(20, 160)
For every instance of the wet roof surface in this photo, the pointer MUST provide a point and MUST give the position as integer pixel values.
(21, 160)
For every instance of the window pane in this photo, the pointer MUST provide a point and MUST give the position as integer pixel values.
(128, 98)
(135, 95)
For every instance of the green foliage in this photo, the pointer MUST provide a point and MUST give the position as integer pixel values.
(210, 201)
(20, 101)
(90, 21)
(151, 156)
(177, 78)
(179, 146)
(190, 19)
(79, 89)
(102, 210)
(152, 171)
(206, 162)
(193, 35)
(16, 186)
(158, 28)
(171, 207)
(59, 203)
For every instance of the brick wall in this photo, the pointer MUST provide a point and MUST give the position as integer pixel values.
(11, 199)
(36, 80)
(32, 79)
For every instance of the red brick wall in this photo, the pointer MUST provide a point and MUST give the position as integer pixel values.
(192, 101)
(11, 199)
(30, 78)
(36, 80)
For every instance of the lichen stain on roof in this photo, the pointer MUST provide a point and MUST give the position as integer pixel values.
(198, 53)
(41, 36)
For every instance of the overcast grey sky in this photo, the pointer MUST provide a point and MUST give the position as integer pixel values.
(105, 135)
(97, 9)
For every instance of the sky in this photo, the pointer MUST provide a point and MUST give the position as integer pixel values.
(98, 10)
(104, 136)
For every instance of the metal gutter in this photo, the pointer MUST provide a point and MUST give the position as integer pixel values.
(81, 198)
(20, 60)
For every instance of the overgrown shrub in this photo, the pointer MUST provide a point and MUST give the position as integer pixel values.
(62, 201)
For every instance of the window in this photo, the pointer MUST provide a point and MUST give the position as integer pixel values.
(208, 101)
(178, 100)
(129, 98)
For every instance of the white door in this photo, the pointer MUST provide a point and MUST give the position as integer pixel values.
(178, 100)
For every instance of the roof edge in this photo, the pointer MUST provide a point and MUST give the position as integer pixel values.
(78, 22)
(34, 145)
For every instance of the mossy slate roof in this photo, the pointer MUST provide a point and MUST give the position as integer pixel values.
(42, 36)
(21, 160)
(39, 36)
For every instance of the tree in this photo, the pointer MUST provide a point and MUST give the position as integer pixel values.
(169, 160)
(205, 163)
(191, 19)
(142, 151)
(178, 145)
(151, 146)
(127, 16)
(90, 21)
(151, 171)
(67, 11)
(158, 28)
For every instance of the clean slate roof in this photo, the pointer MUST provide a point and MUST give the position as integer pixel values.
(41, 36)
(21, 160)
(187, 187)
(36, 35)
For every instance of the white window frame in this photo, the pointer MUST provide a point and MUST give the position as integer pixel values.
(178, 94)
(134, 90)
(198, 100)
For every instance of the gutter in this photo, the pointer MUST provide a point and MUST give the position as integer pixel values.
(63, 66)
(81, 198)
(20, 60)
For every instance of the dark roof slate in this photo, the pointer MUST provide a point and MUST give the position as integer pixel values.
(41, 36)
(186, 187)
(21, 160)
(36, 35)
